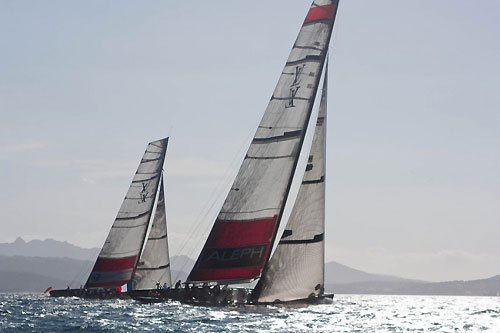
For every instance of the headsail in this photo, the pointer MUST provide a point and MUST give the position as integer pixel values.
(296, 269)
(118, 257)
(240, 241)
(154, 264)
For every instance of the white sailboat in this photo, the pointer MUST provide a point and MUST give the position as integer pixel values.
(126, 257)
(238, 248)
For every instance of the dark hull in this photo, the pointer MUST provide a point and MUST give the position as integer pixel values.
(194, 296)
(321, 299)
(150, 296)
(228, 297)
(88, 294)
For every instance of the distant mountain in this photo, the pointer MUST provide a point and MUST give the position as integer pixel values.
(19, 273)
(36, 265)
(482, 287)
(12, 282)
(47, 248)
(35, 274)
(336, 273)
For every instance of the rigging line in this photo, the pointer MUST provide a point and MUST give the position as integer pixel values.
(251, 211)
(225, 176)
(219, 190)
(208, 226)
(85, 266)
(170, 130)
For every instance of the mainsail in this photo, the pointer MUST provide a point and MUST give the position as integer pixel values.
(118, 257)
(296, 269)
(154, 265)
(240, 242)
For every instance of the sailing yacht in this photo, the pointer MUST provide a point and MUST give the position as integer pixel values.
(238, 248)
(126, 257)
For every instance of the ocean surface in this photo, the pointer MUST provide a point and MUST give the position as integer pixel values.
(348, 313)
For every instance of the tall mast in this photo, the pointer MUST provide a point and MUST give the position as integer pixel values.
(241, 239)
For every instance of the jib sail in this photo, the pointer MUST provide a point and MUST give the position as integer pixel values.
(296, 269)
(154, 265)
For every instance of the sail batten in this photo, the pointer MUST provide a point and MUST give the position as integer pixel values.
(315, 239)
(157, 238)
(268, 157)
(152, 268)
(291, 135)
(119, 255)
(265, 176)
(130, 227)
(314, 181)
(310, 58)
(145, 180)
(132, 217)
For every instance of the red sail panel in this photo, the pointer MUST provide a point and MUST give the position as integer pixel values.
(235, 233)
(114, 264)
(235, 250)
(111, 272)
(320, 13)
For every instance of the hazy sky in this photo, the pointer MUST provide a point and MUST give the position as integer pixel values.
(413, 126)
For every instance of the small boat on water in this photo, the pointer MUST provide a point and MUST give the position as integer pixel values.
(126, 256)
(239, 247)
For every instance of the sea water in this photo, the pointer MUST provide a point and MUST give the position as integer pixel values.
(348, 313)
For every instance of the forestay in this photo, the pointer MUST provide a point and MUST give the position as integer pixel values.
(154, 264)
(118, 257)
(240, 241)
(296, 269)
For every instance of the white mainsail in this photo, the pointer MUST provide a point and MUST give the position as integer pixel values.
(154, 265)
(241, 239)
(118, 257)
(296, 269)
